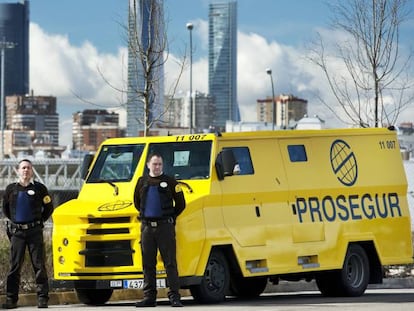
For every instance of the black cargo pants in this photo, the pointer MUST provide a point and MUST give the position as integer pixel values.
(32, 239)
(159, 236)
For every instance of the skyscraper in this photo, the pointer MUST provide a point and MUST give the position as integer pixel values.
(146, 45)
(222, 61)
(14, 38)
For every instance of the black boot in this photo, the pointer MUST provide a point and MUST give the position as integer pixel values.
(42, 303)
(9, 304)
(174, 298)
(176, 303)
(146, 302)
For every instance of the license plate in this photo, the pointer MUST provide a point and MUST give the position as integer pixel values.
(116, 284)
(139, 284)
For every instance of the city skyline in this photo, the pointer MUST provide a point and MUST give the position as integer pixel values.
(145, 76)
(222, 61)
(14, 42)
(271, 35)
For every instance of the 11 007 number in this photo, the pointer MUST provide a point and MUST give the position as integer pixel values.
(388, 144)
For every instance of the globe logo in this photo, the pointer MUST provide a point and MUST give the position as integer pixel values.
(343, 161)
(114, 206)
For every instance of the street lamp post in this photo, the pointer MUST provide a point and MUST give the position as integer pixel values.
(3, 46)
(269, 72)
(190, 28)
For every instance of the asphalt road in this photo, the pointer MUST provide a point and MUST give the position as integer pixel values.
(373, 299)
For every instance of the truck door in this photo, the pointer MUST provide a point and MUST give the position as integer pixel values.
(305, 177)
(253, 197)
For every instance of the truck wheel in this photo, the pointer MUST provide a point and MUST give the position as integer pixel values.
(215, 282)
(93, 297)
(242, 287)
(352, 280)
(326, 283)
(354, 276)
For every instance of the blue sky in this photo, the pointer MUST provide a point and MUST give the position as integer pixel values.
(101, 21)
(78, 52)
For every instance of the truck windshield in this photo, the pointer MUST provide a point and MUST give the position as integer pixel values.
(185, 160)
(116, 163)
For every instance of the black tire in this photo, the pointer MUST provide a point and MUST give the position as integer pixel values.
(94, 297)
(215, 282)
(355, 273)
(248, 288)
(327, 283)
(352, 280)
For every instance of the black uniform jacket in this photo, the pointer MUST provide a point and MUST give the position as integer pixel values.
(40, 200)
(171, 195)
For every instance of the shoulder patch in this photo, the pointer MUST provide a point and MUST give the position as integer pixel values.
(178, 188)
(47, 199)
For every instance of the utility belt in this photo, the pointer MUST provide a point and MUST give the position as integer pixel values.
(156, 222)
(25, 226)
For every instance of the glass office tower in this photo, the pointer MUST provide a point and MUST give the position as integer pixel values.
(146, 31)
(14, 41)
(222, 61)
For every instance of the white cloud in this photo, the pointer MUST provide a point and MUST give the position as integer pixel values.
(79, 77)
(201, 31)
(61, 69)
(199, 66)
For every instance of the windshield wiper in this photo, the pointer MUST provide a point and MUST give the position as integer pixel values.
(186, 185)
(116, 189)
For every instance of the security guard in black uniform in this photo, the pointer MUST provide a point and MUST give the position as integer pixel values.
(27, 205)
(159, 200)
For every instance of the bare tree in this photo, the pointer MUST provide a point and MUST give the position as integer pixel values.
(374, 86)
(148, 49)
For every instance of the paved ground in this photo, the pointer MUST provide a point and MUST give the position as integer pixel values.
(65, 298)
(373, 299)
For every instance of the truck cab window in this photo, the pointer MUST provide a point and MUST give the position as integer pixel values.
(116, 163)
(243, 159)
(185, 160)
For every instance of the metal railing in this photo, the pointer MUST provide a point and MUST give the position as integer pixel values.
(56, 174)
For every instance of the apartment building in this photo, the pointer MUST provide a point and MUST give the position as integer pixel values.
(92, 126)
(289, 110)
(32, 126)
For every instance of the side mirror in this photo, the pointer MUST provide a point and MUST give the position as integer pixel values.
(87, 160)
(219, 167)
(226, 164)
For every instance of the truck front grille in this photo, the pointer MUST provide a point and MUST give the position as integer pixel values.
(109, 220)
(108, 253)
(107, 231)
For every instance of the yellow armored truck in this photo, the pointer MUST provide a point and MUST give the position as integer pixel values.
(324, 205)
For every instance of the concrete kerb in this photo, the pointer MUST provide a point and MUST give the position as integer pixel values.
(69, 297)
